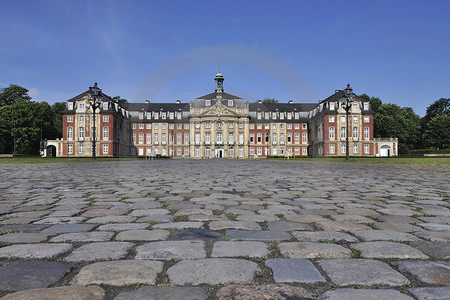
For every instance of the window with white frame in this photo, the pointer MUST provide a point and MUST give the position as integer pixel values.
(134, 138)
(343, 119)
(366, 119)
(289, 116)
(105, 133)
(366, 133)
(281, 126)
(259, 138)
(241, 125)
(252, 137)
(197, 152)
(296, 126)
(208, 102)
(241, 138)
(343, 149)
(274, 138)
(266, 126)
(156, 126)
(230, 125)
(274, 115)
(81, 132)
(296, 151)
(156, 115)
(80, 148)
(69, 106)
(297, 138)
(141, 138)
(164, 152)
(342, 132)
(331, 132)
(163, 126)
(69, 118)
(331, 119)
(141, 126)
(141, 115)
(186, 138)
(355, 132)
(149, 138)
(274, 126)
(331, 148)
(156, 139)
(304, 138)
(259, 151)
(252, 126)
(186, 151)
(171, 115)
(282, 138)
(208, 138)
(289, 137)
(179, 126)
(179, 151)
(366, 149)
(163, 138)
(259, 126)
(69, 149)
(69, 132)
(355, 107)
(208, 152)
(171, 126)
(366, 106)
(149, 126)
(207, 124)
(258, 115)
(289, 126)
(179, 115)
(163, 115)
(355, 148)
(252, 151)
(241, 152)
(231, 152)
(304, 126)
(331, 105)
(197, 138)
(105, 148)
(186, 126)
(305, 151)
(133, 126)
(274, 151)
(179, 138)
(81, 118)
(230, 102)
(219, 138)
(81, 106)
(297, 115)
(355, 119)
(149, 116)
(105, 105)
(282, 116)
(219, 124)
(267, 116)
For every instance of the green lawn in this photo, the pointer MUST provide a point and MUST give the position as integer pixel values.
(369, 160)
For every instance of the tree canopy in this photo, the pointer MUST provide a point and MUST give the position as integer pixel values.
(268, 100)
(13, 94)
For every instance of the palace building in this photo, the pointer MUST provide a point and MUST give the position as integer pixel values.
(219, 125)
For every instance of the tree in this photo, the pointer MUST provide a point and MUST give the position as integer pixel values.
(57, 109)
(375, 102)
(392, 120)
(437, 132)
(13, 94)
(268, 100)
(119, 100)
(438, 108)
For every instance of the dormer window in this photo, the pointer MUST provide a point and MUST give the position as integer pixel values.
(207, 102)
(366, 106)
(141, 115)
(149, 115)
(297, 116)
(289, 116)
(163, 115)
(331, 105)
(156, 115)
(105, 105)
(171, 115)
(258, 116)
(267, 116)
(274, 115)
(70, 106)
(230, 102)
(178, 115)
(355, 106)
(281, 116)
(81, 106)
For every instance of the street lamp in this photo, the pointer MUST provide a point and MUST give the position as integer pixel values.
(346, 104)
(94, 101)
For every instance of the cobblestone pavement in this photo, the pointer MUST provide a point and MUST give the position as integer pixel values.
(223, 229)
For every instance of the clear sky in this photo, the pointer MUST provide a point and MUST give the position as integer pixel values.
(168, 50)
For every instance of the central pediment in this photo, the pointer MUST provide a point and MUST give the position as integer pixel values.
(219, 110)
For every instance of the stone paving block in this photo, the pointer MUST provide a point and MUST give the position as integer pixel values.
(34, 251)
(212, 271)
(149, 212)
(68, 228)
(397, 226)
(100, 251)
(340, 225)
(123, 226)
(111, 219)
(61, 220)
(434, 272)
(157, 219)
(313, 250)
(26, 275)
(383, 235)
(119, 273)
(438, 236)
(178, 225)
(92, 213)
(219, 225)
(266, 292)
(431, 293)
(352, 219)
(257, 235)
(196, 234)
(22, 228)
(206, 218)
(23, 238)
(83, 237)
(167, 250)
(323, 236)
(435, 226)
(366, 294)
(437, 250)
(257, 218)
(239, 249)
(64, 213)
(142, 235)
(17, 221)
(286, 270)
(383, 249)
(164, 293)
(60, 293)
(288, 226)
(346, 272)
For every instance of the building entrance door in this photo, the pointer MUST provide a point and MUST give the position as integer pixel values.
(219, 153)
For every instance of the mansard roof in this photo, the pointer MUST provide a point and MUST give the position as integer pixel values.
(86, 93)
(285, 107)
(214, 95)
(156, 106)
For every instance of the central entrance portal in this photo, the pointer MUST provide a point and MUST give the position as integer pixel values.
(219, 153)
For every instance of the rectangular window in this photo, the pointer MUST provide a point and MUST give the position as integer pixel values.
(186, 138)
(231, 152)
(241, 138)
(186, 126)
(297, 138)
(156, 126)
(69, 118)
(208, 152)
(274, 151)
(81, 105)
(304, 138)
(197, 138)
(274, 115)
(163, 115)
(141, 138)
(252, 137)
(149, 126)
(274, 138)
(366, 133)
(171, 126)
(281, 116)
(366, 149)
(81, 118)
(297, 115)
(252, 126)
(207, 138)
(296, 126)
(343, 119)
(149, 116)
(355, 107)
(219, 138)
(70, 149)
(252, 151)
(366, 106)
(266, 116)
(304, 126)
(343, 149)
(197, 152)
(105, 118)
(331, 148)
(186, 151)
(105, 105)
(133, 126)
(259, 137)
(163, 139)
(289, 116)
(366, 119)
(305, 151)
(207, 102)
(81, 149)
(331, 119)
(171, 115)
(156, 139)
(331, 132)
(81, 132)
(259, 151)
(355, 149)
(331, 105)
(134, 138)
(241, 125)
(282, 138)
(259, 126)
(156, 115)
(207, 124)
(141, 115)
(69, 106)
(179, 115)
(230, 102)
(355, 119)
(163, 126)
(179, 138)
(241, 152)
(274, 126)
(179, 126)
(141, 126)
(179, 151)
(342, 132)
(289, 126)
(230, 125)
(258, 115)
(149, 138)
(289, 137)
(355, 132)
(105, 148)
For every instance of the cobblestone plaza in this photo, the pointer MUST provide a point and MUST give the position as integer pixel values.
(224, 229)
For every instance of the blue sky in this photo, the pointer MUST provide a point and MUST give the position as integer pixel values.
(169, 50)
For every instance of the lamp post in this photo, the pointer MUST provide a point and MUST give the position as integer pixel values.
(172, 139)
(94, 101)
(346, 104)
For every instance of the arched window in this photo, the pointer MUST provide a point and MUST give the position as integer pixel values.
(69, 133)
(179, 137)
(105, 133)
(304, 138)
(331, 132)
